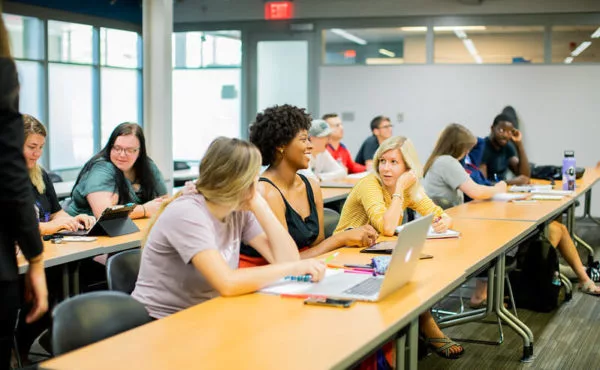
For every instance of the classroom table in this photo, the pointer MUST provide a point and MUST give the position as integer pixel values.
(258, 331)
(63, 254)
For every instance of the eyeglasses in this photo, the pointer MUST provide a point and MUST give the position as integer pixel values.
(385, 126)
(127, 151)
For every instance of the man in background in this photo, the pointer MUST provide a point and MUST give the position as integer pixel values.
(381, 127)
(504, 150)
(336, 148)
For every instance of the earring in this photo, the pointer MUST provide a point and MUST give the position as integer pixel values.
(281, 151)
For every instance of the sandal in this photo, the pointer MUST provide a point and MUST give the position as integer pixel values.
(444, 351)
(590, 288)
(479, 305)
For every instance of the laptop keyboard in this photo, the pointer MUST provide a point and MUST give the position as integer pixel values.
(368, 287)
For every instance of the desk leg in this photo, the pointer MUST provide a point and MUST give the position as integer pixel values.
(571, 227)
(401, 349)
(505, 315)
(65, 281)
(76, 289)
(587, 210)
(412, 357)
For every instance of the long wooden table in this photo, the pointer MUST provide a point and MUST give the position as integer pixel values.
(258, 331)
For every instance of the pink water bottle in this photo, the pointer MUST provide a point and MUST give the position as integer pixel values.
(568, 170)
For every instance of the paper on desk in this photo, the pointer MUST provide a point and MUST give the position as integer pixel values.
(552, 192)
(431, 234)
(295, 287)
(528, 188)
(506, 197)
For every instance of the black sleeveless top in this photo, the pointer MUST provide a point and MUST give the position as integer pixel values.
(303, 231)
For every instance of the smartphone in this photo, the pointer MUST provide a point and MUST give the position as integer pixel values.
(343, 303)
(78, 238)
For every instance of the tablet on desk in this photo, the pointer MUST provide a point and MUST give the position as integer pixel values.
(114, 221)
(387, 247)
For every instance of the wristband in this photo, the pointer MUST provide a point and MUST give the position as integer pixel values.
(144, 208)
(397, 195)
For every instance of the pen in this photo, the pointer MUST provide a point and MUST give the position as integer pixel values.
(359, 266)
(360, 269)
(302, 296)
(331, 257)
(360, 272)
(496, 177)
(332, 266)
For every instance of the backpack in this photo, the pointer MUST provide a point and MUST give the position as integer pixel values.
(552, 172)
(536, 280)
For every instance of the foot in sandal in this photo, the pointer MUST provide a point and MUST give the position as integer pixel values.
(589, 287)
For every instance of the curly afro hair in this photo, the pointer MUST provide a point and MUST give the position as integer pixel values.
(277, 126)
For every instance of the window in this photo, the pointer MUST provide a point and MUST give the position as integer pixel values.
(206, 90)
(207, 49)
(395, 45)
(576, 44)
(489, 44)
(71, 115)
(119, 99)
(31, 92)
(120, 78)
(70, 42)
(26, 36)
(119, 48)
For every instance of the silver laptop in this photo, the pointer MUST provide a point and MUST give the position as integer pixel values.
(365, 287)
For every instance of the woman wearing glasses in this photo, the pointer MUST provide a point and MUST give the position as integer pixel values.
(120, 173)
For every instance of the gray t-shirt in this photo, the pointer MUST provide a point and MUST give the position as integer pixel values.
(443, 179)
(168, 282)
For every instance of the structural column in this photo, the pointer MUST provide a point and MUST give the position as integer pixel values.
(157, 31)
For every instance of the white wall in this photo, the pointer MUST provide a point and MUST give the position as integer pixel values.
(559, 106)
(227, 10)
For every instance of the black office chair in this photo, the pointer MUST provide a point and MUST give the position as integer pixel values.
(91, 317)
(180, 165)
(54, 177)
(330, 221)
(122, 270)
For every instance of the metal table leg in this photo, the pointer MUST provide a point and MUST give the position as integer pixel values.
(505, 315)
(65, 281)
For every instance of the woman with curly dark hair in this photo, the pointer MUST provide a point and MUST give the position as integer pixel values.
(281, 135)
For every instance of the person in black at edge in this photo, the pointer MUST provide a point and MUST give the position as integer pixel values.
(18, 222)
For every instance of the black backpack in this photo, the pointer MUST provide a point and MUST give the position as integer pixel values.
(536, 281)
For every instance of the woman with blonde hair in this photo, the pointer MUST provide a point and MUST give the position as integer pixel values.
(380, 199)
(192, 249)
(51, 216)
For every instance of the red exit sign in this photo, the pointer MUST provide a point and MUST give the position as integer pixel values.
(279, 10)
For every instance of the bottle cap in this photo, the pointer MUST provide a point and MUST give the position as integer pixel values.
(569, 153)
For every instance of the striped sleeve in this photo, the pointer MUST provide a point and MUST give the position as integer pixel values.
(423, 204)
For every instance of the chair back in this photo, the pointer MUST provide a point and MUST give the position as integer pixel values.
(180, 165)
(54, 177)
(90, 317)
(122, 270)
(330, 221)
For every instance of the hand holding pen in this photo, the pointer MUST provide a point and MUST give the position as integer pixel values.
(441, 224)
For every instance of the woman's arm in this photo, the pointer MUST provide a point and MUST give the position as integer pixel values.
(361, 236)
(476, 191)
(231, 282)
(275, 244)
(101, 200)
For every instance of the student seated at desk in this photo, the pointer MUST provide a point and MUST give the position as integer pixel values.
(496, 157)
(380, 200)
(381, 127)
(322, 166)
(336, 148)
(500, 155)
(120, 173)
(281, 135)
(445, 178)
(191, 253)
(51, 216)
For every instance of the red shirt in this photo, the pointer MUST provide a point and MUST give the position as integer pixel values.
(343, 156)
